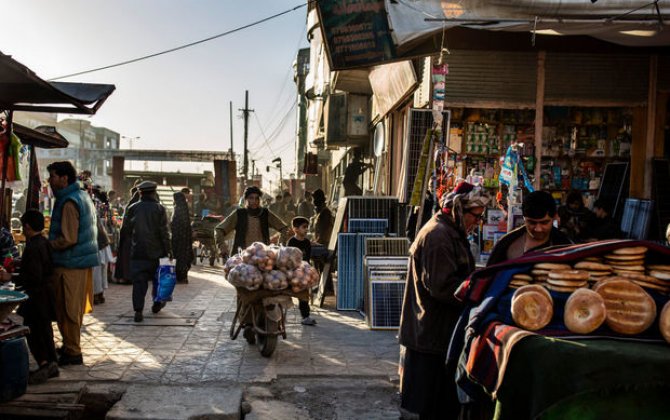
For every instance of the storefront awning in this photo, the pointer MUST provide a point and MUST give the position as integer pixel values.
(373, 32)
(45, 137)
(22, 90)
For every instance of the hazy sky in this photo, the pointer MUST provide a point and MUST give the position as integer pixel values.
(179, 100)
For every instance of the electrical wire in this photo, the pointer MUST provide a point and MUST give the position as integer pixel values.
(181, 47)
(276, 131)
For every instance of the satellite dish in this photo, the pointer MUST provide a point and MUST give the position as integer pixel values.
(379, 139)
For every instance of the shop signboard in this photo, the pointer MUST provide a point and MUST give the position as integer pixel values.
(356, 33)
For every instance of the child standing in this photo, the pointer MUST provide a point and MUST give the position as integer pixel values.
(37, 311)
(300, 241)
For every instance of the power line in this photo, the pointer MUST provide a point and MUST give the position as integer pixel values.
(277, 130)
(181, 47)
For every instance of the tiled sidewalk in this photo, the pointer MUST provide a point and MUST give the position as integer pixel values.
(340, 345)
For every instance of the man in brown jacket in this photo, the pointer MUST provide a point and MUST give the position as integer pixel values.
(440, 261)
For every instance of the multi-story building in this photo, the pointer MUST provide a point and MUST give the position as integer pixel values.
(84, 139)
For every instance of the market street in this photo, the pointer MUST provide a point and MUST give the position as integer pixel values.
(340, 346)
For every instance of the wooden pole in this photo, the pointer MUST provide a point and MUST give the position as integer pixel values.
(539, 116)
(5, 161)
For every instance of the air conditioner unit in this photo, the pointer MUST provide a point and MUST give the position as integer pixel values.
(347, 120)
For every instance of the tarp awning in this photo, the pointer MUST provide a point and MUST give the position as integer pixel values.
(633, 23)
(45, 137)
(22, 90)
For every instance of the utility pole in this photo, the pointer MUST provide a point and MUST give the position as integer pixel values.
(253, 168)
(246, 112)
(231, 131)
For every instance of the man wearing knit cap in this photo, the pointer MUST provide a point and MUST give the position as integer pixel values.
(440, 261)
(146, 224)
(251, 223)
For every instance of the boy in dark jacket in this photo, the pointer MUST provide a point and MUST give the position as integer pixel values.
(38, 310)
(300, 241)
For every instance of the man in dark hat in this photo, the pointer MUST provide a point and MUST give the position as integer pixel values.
(146, 224)
(251, 223)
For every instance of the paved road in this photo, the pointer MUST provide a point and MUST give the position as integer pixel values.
(116, 349)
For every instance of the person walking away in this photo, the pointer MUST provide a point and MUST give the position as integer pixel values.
(73, 238)
(38, 310)
(182, 240)
(146, 225)
(306, 207)
(440, 260)
(537, 232)
(299, 240)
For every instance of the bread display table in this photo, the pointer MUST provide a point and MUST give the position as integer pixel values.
(585, 379)
(578, 364)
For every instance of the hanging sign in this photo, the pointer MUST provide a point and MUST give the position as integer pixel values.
(356, 33)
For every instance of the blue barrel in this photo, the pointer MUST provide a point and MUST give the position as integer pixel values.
(13, 368)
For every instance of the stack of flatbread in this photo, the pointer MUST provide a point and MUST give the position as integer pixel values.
(596, 270)
(519, 280)
(627, 260)
(567, 281)
(660, 275)
(540, 272)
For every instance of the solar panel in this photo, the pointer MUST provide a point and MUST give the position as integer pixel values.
(385, 304)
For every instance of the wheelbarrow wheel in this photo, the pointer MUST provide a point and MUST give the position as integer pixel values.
(267, 343)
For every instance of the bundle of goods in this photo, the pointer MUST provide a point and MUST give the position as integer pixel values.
(608, 290)
(273, 267)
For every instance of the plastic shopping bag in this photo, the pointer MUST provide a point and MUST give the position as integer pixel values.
(165, 280)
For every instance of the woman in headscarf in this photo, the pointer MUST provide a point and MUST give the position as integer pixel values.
(440, 259)
(181, 237)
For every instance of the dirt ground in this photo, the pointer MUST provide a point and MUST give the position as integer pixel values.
(323, 398)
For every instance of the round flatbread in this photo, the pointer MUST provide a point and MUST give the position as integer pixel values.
(569, 275)
(659, 267)
(531, 310)
(662, 275)
(636, 275)
(592, 266)
(519, 276)
(664, 322)
(633, 250)
(630, 310)
(552, 266)
(584, 311)
(540, 272)
(594, 259)
(617, 257)
(518, 283)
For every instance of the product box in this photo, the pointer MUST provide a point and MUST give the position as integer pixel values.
(494, 216)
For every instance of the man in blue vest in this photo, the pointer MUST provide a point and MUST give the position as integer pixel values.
(146, 224)
(73, 237)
